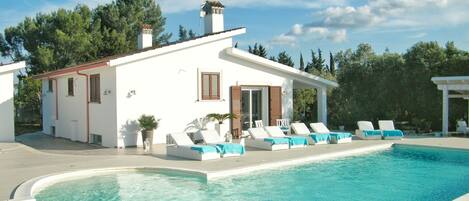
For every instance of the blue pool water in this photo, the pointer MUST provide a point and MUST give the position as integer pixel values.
(400, 173)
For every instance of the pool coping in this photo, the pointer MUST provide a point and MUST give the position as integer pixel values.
(29, 188)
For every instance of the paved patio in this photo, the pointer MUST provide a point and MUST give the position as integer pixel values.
(42, 155)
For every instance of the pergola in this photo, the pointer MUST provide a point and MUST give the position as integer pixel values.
(452, 87)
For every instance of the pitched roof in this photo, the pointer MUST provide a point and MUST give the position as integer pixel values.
(7, 68)
(304, 78)
(105, 61)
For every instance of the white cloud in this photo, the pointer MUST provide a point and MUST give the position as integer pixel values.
(350, 16)
(382, 16)
(170, 6)
(302, 32)
(418, 35)
(338, 36)
(283, 39)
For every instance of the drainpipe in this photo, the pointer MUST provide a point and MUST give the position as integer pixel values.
(56, 92)
(87, 107)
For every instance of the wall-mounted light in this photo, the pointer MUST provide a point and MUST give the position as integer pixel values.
(131, 93)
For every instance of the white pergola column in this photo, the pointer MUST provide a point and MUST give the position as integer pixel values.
(322, 105)
(445, 110)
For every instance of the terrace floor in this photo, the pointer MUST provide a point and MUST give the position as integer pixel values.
(38, 155)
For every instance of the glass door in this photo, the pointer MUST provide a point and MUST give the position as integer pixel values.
(251, 107)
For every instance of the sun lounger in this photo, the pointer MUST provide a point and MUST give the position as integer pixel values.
(366, 131)
(185, 148)
(294, 141)
(462, 127)
(261, 140)
(313, 138)
(212, 138)
(389, 131)
(336, 137)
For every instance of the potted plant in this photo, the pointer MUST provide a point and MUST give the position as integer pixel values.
(147, 124)
(220, 118)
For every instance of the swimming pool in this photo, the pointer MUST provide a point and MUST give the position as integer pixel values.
(400, 173)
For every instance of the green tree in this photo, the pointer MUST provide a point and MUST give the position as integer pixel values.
(258, 50)
(68, 37)
(28, 97)
(331, 63)
(302, 63)
(285, 59)
(183, 33)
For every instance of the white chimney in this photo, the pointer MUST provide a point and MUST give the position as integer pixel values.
(212, 12)
(145, 37)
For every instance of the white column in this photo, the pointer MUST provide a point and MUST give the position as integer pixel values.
(445, 111)
(322, 105)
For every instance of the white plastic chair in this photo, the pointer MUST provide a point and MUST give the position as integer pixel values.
(462, 127)
(259, 123)
(284, 123)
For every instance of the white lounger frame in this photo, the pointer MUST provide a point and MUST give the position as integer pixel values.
(182, 149)
(366, 125)
(322, 129)
(276, 132)
(385, 125)
(257, 140)
(211, 137)
(302, 130)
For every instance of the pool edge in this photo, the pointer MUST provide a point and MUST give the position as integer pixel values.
(27, 189)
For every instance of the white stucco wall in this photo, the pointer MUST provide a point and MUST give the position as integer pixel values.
(48, 108)
(72, 120)
(7, 115)
(7, 128)
(167, 87)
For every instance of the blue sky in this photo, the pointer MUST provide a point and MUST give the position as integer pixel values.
(300, 25)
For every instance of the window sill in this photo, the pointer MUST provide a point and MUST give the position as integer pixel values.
(208, 101)
(95, 103)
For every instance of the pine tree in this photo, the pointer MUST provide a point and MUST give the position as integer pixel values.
(258, 50)
(272, 58)
(285, 59)
(302, 62)
(262, 52)
(192, 34)
(331, 63)
(183, 33)
(319, 64)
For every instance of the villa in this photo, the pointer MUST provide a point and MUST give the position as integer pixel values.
(180, 83)
(99, 102)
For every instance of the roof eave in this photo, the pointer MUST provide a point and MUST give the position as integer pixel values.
(300, 75)
(176, 47)
(12, 67)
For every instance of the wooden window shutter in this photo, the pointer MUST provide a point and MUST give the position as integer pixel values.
(275, 104)
(95, 94)
(236, 110)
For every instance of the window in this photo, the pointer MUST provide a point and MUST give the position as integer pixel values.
(51, 86)
(70, 87)
(95, 95)
(210, 86)
(96, 139)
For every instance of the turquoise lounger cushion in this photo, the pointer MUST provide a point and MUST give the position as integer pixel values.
(340, 136)
(297, 140)
(204, 149)
(372, 132)
(393, 133)
(230, 148)
(320, 137)
(275, 141)
(284, 128)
